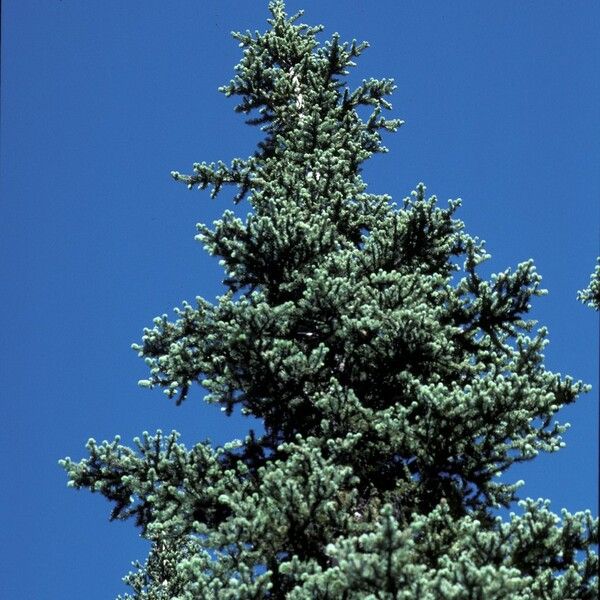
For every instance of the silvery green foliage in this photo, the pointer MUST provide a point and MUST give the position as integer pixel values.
(395, 382)
(591, 294)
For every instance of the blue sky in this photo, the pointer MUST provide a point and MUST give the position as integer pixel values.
(101, 100)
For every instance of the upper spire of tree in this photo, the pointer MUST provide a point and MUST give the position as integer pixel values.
(295, 91)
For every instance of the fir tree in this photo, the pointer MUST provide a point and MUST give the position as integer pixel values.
(395, 383)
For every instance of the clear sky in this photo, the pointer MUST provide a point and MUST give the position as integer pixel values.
(101, 100)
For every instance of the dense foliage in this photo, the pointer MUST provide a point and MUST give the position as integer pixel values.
(395, 383)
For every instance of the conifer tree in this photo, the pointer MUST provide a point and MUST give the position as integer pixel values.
(394, 382)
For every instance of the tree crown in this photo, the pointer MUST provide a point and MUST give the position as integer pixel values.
(394, 382)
